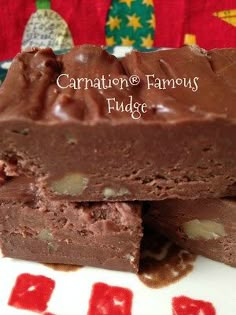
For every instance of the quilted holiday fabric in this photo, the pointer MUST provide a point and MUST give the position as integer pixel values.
(140, 23)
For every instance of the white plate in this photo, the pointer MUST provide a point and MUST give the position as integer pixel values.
(209, 281)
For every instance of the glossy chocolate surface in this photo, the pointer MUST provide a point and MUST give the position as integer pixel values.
(31, 89)
(184, 146)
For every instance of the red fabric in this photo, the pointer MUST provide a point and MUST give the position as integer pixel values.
(169, 22)
(13, 18)
(87, 18)
(174, 18)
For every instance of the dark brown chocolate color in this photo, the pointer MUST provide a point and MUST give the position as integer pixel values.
(163, 263)
(184, 146)
(105, 235)
(206, 227)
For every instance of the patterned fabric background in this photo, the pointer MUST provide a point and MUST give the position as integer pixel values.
(141, 23)
(135, 27)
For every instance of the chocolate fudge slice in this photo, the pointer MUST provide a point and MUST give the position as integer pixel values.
(206, 227)
(105, 235)
(61, 129)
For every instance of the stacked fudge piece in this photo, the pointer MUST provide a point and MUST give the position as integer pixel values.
(45, 230)
(204, 226)
(86, 138)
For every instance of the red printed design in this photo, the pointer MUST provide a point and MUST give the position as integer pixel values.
(107, 300)
(183, 305)
(31, 292)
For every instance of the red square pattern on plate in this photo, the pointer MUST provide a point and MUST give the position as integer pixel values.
(107, 300)
(183, 305)
(31, 292)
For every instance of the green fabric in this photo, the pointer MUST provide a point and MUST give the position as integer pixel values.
(43, 4)
(133, 20)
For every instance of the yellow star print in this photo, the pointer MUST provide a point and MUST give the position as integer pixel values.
(147, 42)
(190, 39)
(148, 2)
(134, 21)
(126, 41)
(128, 2)
(114, 22)
(152, 21)
(229, 16)
(110, 41)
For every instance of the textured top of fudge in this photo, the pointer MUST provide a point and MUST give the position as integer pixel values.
(85, 218)
(31, 89)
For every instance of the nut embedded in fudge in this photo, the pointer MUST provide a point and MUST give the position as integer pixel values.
(105, 235)
(184, 146)
(206, 227)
